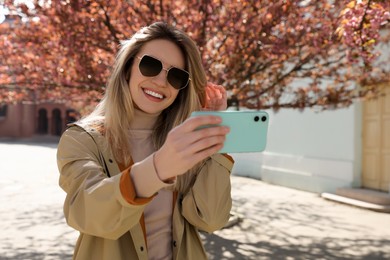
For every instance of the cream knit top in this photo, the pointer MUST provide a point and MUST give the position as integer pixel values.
(158, 213)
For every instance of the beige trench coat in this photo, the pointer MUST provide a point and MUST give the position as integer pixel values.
(110, 226)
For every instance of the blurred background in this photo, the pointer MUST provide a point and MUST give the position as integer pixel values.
(319, 68)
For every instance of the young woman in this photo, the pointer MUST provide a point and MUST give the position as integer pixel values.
(141, 178)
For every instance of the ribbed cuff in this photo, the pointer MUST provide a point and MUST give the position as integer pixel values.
(145, 178)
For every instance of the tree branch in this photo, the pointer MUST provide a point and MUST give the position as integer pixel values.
(109, 25)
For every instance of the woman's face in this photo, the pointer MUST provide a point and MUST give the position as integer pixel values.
(154, 94)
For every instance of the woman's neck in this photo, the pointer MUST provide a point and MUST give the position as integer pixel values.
(143, 120)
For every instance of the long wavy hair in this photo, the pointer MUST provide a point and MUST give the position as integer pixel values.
(115, 111)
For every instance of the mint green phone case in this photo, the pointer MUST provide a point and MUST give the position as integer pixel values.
(248, 130)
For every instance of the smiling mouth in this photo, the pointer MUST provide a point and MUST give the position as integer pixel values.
(153, 94)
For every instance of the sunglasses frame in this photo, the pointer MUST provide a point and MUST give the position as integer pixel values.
(162, 68)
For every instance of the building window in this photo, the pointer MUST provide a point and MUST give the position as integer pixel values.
(56, 121)
(42, 121)
(3, 110)
(71, 116)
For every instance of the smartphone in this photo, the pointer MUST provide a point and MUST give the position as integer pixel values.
(248, 130)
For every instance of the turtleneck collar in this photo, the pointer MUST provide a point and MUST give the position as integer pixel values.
(143, 120)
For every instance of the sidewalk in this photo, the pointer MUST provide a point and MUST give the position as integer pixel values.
(277, 222)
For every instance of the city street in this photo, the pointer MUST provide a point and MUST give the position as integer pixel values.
(276, 222)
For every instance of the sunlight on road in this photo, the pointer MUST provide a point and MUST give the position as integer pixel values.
(277, 222)
(32, 222)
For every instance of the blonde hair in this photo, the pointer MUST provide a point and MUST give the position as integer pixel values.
(116, 110)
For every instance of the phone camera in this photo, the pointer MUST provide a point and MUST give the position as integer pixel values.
(256, 118)
(263, 118)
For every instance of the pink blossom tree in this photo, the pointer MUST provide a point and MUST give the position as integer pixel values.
(268, 54)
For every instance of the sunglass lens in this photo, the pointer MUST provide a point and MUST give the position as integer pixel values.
(178, 78)
(150, 66)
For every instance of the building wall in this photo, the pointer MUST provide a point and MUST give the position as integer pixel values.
(27, 119)
(317, 152)
(23, 119)
(313, 151)
(9, 126)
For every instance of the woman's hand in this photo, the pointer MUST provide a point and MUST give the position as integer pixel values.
(186, 145)
(216, 97)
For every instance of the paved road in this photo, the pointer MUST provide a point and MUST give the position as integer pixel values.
(277, 223)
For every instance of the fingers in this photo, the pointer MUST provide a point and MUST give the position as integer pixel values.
(203, 143)
(208, 141)
(224, 93)
(188, 144)
(214, 91)
(203, 154)
(196, 122)
(220, 96)
(199, 133)
(209, 131)
(216, 97)
(194, 129)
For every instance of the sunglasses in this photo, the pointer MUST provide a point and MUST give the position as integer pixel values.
(151, 67)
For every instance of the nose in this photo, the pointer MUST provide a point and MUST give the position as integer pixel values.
(162, 78)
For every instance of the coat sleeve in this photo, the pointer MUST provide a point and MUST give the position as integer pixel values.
(94, 203)
(208, 203)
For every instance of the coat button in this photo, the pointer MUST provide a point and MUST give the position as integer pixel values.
(142, 248)
(110, 160)
(174, 243)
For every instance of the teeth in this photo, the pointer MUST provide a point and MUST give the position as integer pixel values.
(154, 94)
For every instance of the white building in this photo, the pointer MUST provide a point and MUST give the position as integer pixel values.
(326, 151)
